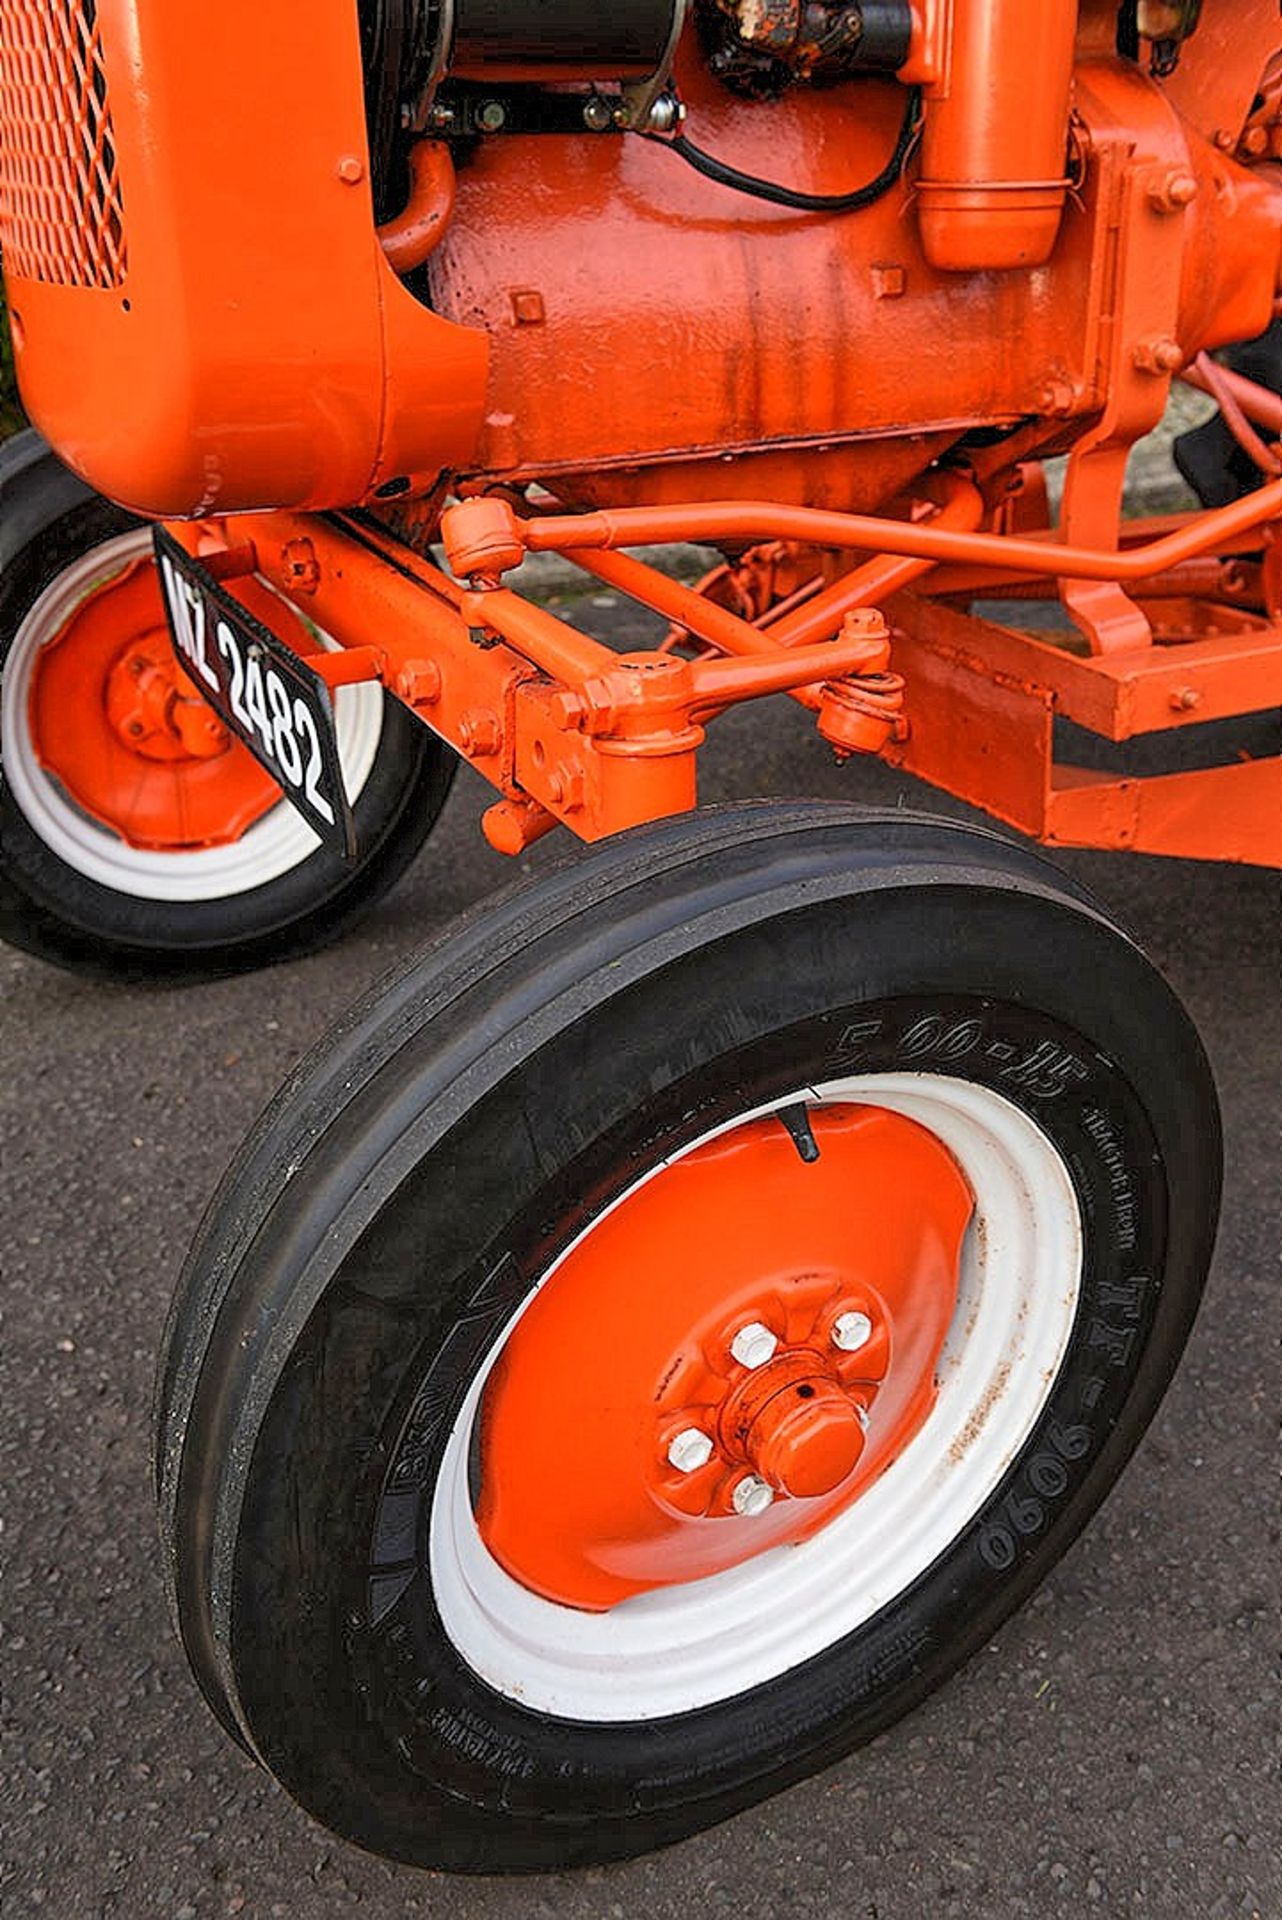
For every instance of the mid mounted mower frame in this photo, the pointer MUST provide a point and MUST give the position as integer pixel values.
(572, 733)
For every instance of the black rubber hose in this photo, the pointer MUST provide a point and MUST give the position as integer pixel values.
(727, 176)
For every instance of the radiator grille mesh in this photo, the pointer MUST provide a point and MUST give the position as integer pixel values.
(61, 219)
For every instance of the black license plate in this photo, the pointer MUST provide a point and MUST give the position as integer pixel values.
(260, 689)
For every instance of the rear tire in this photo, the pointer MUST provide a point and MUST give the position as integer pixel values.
(74, 890)
(460, 1139)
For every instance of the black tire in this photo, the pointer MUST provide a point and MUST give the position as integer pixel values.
(49, 908)
(458, 1130)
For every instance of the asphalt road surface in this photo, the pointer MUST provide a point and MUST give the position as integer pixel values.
(1115, 1750)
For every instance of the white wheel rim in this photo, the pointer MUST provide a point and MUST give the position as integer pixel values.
(681, 1648)
(272, 846)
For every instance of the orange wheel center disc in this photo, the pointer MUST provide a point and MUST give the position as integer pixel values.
(115, 720)
(726, 1359)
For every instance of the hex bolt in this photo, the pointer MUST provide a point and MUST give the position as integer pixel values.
(1172, 190)
(752, 1496)
(850, 1331)
(691, 1450)
(1157, 354)
(753, 1345)
(1057, 397)
(479, 733)
(419, 683)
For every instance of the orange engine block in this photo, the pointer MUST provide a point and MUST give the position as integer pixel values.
(187, 219)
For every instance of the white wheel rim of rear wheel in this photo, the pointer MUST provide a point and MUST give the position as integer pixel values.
(682, 1648)
(271, 847)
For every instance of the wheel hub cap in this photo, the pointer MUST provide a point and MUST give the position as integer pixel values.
(116, 722)
(806, 1438)
(726, 1359)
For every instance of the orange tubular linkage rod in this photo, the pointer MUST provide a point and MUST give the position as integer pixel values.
(713, 684)
(734, 520)
(867, 586)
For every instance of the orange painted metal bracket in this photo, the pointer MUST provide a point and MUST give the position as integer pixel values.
(1234, 670)
(983, 700)
(1217, 813)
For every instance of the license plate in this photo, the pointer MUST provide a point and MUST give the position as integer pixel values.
(262, 691)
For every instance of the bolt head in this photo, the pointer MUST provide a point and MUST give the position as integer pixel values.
(850, 1331)
(753, 1345)
(419, 682)
(665, 114)
(479, 733)
(691, 1450)
(1158, 354)
(752, 1496)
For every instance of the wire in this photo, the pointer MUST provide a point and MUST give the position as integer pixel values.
(727, 176)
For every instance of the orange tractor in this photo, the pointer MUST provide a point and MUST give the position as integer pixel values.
(662, 1332)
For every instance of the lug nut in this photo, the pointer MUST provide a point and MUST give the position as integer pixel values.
(691, 1450)
(752, 1496)
(753, 1345)
(850, 1331)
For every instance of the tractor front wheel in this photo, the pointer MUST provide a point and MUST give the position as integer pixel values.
(136, 836)
(709, 1294)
